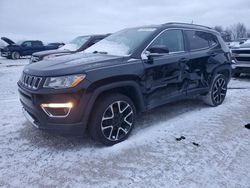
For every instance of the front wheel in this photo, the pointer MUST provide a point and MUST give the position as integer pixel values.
(217, 92)
(112, 119)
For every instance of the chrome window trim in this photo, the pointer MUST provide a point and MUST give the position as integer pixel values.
(200, 49)
(143, 54)
(182, 29)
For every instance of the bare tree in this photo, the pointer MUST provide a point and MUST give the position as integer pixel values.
(239, 30)
(218, 28)
(229, 34)
(233, 32)
(225, 34)
(248, 33)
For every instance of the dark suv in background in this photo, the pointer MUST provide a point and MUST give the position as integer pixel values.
(130, 71)
(24, 48)
(76, 45)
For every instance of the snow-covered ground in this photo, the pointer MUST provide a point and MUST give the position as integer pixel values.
(151, 157)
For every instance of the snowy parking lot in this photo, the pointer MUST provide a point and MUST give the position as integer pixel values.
(214, 153)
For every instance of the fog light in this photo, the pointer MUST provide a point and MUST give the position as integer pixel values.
(57, 109)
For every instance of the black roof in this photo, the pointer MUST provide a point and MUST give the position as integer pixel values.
(182, 25)
(189, 26)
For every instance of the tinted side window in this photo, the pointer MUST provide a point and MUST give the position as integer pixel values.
(173, 39)
(212, 40)
(95, 41)
(27, 44)
(198, 39)
(36, 43)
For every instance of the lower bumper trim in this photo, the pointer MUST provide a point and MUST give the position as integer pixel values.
(30, 118)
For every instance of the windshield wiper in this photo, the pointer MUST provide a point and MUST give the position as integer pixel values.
(99, 52)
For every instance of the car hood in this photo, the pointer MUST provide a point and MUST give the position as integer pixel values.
(7, 40)
(50, 52)
(71, 64)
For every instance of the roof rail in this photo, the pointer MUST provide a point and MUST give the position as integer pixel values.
(190, 24)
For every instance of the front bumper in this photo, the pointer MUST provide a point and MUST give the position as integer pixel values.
(5, 54)
(30, 118)
(74, 123)
(241, 67)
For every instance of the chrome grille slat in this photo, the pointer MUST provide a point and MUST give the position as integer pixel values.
(34, 59)
(31, 82)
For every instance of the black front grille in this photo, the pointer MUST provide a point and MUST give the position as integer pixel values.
(241, 51)
(243, 58)
(31, 82)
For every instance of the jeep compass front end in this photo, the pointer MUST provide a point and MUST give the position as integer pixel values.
(48, 106)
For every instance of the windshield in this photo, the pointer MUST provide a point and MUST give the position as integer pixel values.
(76, 43)
(122, 43)
(20, 42)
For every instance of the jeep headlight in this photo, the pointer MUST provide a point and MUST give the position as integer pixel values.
(62, 82)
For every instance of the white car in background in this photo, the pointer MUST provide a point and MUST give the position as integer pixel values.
(241, 58)
(237, 43)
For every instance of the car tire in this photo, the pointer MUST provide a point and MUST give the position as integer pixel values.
(112, 119)
(15, 55)
(236, 75)
(217, 92)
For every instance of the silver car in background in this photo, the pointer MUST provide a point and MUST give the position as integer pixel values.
(241, 59)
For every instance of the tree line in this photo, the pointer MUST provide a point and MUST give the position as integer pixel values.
(234, 32)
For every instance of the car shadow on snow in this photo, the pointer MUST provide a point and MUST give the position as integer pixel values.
(39, 138)
(168, 111)
(245, 76)
(44, 139)
(242, 77)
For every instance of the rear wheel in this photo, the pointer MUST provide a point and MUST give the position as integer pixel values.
(217, 92)
(15, 55)
(112, 119)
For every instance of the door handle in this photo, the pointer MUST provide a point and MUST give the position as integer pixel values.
(183, 60)
(213, 54)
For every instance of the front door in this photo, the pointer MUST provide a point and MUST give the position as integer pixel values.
(26, 48)
(164, 75)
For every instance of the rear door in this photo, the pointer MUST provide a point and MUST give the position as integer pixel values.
(164, 76)
(202, 49)
(37, 46)
(26, 48)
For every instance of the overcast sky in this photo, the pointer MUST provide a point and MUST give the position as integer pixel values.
(62, 20)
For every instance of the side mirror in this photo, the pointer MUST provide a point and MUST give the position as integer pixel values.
(154, 51)
(158, 49)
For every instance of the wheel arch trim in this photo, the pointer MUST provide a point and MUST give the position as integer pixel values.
(223, 68)
(109, 87)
